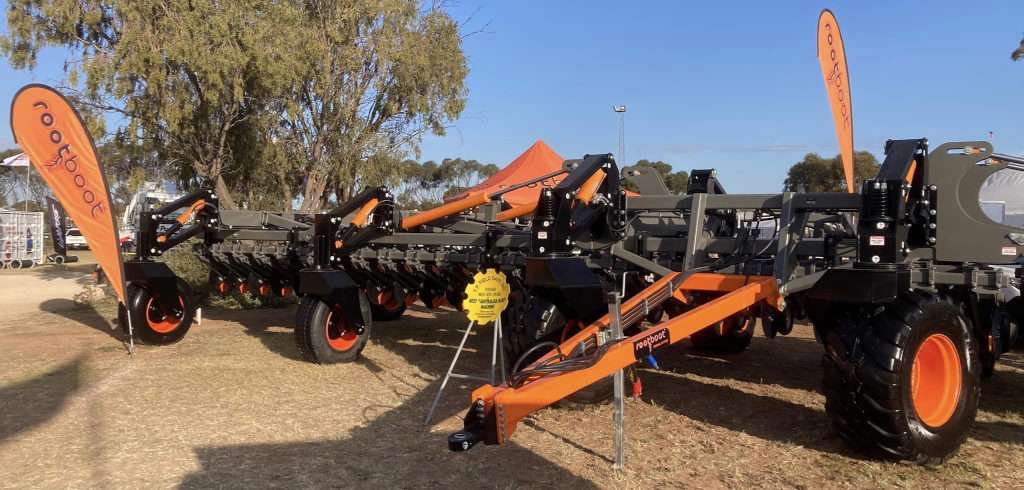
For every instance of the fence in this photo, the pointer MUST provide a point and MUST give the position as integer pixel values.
(21, 239)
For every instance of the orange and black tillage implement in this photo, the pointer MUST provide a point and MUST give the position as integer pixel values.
(910, 288)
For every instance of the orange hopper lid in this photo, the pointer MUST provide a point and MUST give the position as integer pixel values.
(539, 159)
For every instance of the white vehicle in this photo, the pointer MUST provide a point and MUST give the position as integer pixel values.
(148, 197)
(74, 239)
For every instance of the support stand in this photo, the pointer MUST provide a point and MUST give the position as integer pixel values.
(615, 308)
(131, 332)
(497, 363)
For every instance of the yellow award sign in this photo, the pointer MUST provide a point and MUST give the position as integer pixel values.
(486, 297)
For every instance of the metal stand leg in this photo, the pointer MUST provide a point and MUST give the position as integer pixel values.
(494, 353)
(500, 347)
(620, 408)
(497, 355)
(448, 375)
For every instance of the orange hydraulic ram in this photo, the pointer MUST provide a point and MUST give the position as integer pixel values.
(503, 406)
(589, 188)
(364, 212)
(469, 202)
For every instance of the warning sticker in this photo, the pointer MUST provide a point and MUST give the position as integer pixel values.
(876, 240)
(486, 297)
(643, 347)
(1010, 251)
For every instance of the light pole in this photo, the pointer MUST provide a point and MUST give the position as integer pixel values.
(621, 110)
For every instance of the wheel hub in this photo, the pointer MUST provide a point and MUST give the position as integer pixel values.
(936, 380)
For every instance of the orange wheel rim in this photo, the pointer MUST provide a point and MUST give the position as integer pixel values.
(161, 321)
(339, 336)
(935, 380)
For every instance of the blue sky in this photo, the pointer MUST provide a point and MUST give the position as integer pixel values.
(732, 87)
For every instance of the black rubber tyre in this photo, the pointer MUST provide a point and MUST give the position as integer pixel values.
(527, 321)
(391, 311)
(323, 336)
(870, 379)
(150, 323)
(728, 337)
(1015, 340)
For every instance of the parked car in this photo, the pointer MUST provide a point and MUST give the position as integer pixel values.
(74, 239)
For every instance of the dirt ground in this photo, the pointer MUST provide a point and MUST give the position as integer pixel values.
(232, 406)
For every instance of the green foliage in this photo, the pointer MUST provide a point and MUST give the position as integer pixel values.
(13, 183)
(265, 100)
(375, 75)
(426, 185)
(677, 182)
(817, 174)
(8, 177)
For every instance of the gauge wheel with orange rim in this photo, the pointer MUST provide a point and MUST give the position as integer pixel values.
(385, 305)
(327, 334)
(727, 337)
(903, 381)
(154, 321)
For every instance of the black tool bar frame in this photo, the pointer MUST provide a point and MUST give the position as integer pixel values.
(809, 201)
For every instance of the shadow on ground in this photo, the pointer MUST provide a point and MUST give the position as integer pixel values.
(82, 314)
(80, 272)
(272, 326)
(392, 441)
(33, 402)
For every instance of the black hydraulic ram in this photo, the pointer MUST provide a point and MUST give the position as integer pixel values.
(157, 233)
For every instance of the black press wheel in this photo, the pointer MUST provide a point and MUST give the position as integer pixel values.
(385, 306)
(154, 323)
(728, 337)
(527, 321)
(325, 335)
(903, 381)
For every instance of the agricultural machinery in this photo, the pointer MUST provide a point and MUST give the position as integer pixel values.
(912, 290)
(909, 286)
(360, 262)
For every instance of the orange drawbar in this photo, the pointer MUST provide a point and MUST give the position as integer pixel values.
(542, 384)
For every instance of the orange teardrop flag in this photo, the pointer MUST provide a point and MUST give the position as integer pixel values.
(51, 133)
(832, 57)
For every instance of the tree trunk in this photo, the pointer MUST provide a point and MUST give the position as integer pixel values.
(312, 195)
(226, 201)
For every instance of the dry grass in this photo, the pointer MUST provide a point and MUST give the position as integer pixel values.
(232, 406)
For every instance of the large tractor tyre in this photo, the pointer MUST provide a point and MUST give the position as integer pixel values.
(1015, 340)
(386, 307)
(904, 380)
(151, 322)
(325, 336)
